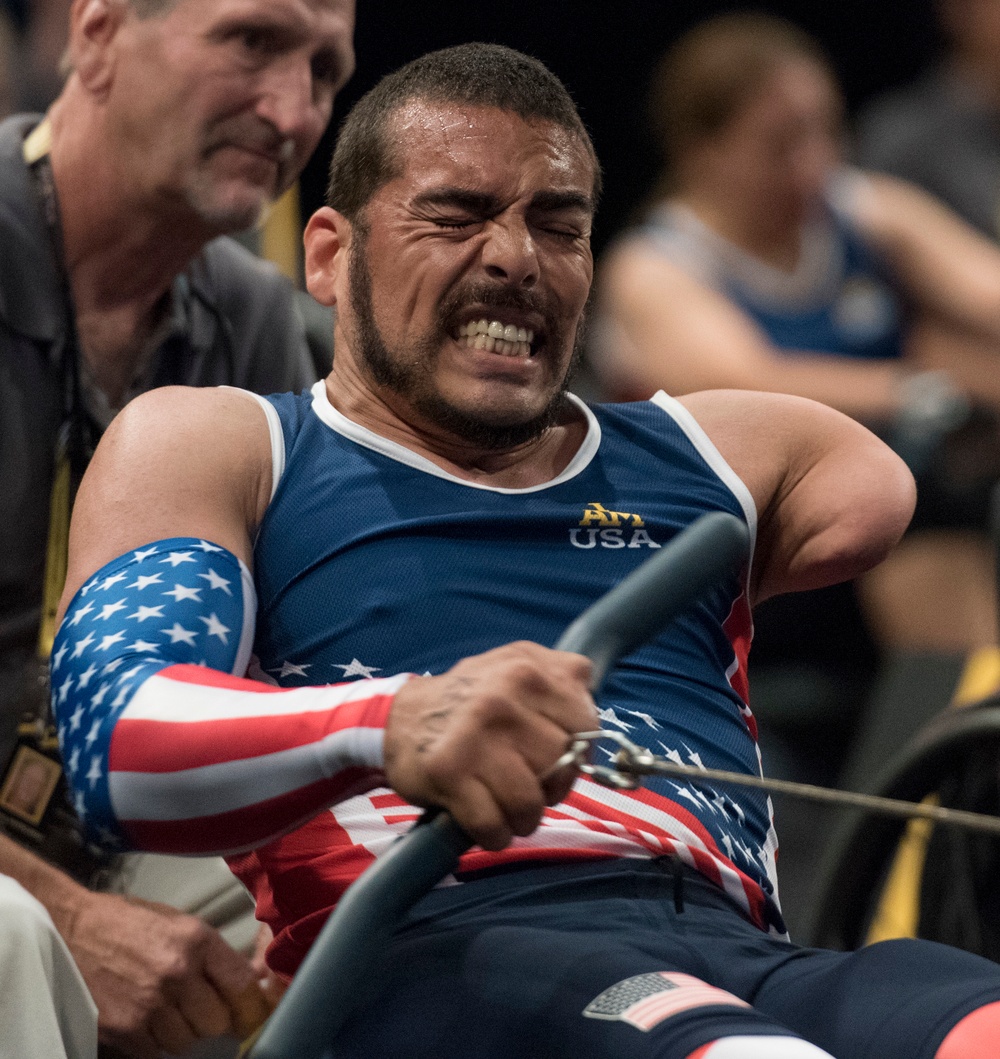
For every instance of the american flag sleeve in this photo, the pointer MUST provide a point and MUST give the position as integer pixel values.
(166, 745)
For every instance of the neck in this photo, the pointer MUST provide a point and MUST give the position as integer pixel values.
(531, 463)
(119, 248)
(121, 253)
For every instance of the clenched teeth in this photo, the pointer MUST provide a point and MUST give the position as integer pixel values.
(506, 339)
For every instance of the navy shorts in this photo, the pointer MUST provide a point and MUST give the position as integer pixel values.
(597, 961)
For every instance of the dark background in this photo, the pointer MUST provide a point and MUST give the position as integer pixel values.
(605, 49)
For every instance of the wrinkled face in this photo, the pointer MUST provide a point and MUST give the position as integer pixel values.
(470, 272)
(774, 157)
(221, 102)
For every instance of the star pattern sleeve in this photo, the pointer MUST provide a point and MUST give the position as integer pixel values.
(166, 745)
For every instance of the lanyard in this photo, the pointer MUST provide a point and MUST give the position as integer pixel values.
(78, 434)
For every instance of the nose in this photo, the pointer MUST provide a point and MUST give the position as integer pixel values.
(290, 103)
(510, 253)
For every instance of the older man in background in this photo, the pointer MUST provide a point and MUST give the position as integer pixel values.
(181, 120)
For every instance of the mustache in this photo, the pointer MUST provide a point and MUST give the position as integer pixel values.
(494, 296)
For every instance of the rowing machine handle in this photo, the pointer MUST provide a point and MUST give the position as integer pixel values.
(329, 984)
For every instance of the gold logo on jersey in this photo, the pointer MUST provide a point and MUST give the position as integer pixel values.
(599, 526)
(599, 515)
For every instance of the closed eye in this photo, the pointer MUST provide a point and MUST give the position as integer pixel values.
(260, 38)
(326, 67)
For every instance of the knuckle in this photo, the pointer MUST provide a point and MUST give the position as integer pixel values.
(493, 708)
(527, 675)
(582, 667)
(192, 933)
(173, 967)
(180, 956)
(439, 771)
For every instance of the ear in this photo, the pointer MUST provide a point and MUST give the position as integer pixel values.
(327, 239)
(93, 26)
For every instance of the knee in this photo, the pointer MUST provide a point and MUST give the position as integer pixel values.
(974, 1037)
(767, 1047)
(24, 921)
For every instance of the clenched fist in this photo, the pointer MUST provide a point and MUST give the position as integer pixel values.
(481, 740)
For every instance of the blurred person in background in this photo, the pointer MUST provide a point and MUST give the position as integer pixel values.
(764, 262)
(180, 121)
(45, 32)
(9, 58)
(942, 132)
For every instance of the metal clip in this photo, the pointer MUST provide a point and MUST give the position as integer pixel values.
(629, 764)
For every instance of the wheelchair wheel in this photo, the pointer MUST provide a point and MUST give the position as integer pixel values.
(955, 757)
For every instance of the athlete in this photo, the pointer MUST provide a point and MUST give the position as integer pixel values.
(388, 555)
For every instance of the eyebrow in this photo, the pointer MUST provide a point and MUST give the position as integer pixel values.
(485, 204)
(551, 201)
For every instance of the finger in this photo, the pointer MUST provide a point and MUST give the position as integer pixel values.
(170, 1031)
(202, 1007)
(258, 958)
(556, 685)
(250, 1010)
(557, 784)
(232, 974)
(565, 668)
(579, 668)
(515, 789)
(539, 741)
(274, 989)
(137, 1045)
(475, 810)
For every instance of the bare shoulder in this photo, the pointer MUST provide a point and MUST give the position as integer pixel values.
(763, 435)
(177, 461)
(831, 497)
(632, 268)
(188, 417)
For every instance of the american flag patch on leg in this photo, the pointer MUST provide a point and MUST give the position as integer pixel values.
(645, 1000)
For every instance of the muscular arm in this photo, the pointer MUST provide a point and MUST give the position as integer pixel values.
(179, 758)
(175, 462)
(683, 337)
(832, 499)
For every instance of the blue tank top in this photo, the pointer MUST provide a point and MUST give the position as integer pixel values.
(371, 561)
(852, 310)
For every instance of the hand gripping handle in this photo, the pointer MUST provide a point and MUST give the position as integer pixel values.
(332, 979)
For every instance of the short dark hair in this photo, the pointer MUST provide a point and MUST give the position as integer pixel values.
(480, 75)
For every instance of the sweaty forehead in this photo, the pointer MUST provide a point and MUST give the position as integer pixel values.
(467, 144)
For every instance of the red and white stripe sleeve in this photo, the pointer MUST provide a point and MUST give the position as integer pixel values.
(202, 762)
(166, 745)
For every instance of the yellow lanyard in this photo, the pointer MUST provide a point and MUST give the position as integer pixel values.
(56, 550)
(36, 149)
